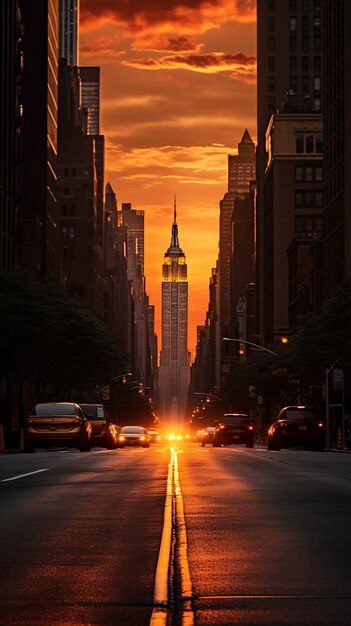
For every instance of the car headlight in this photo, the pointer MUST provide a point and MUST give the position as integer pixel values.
(121, 438)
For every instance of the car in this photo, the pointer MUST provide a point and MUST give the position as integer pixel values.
(155, 435)
(104, 433)
(297, 427)
(133, 436)
(57, 424)
(234, 428)
(207, 435)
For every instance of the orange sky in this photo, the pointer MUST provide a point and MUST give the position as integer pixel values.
(178, 89)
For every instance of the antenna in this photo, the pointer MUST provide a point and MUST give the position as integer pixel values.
(175, 209)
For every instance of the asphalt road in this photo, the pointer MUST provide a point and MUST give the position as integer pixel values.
(268, 536)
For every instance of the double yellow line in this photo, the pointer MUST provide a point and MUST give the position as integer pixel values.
(173, 504)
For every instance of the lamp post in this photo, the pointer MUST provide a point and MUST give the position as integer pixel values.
(327, 416)
(250, 343)
(113, 380)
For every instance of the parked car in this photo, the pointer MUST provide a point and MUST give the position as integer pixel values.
(133, 436)
(234, 428)
(104, 433)
(207, 435)
(57, 424)
(297, 426)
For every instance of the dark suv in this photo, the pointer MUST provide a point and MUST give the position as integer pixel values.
(234, 428)
(297, 427)
(104, 433)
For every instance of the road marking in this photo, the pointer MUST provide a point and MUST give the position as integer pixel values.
(173, 504)
(5, 480)
(160, 612)
(186, 588)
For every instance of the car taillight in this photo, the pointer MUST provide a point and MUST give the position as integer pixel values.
(284, 424)
(321, 425)
(250, 427)
(29, 421)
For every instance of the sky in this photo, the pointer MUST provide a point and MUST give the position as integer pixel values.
(178, 89)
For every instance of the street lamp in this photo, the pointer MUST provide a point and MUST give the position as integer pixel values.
(113, 380)
(327, 416)
(250, 343)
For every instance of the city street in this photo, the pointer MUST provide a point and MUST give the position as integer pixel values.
(267, 536)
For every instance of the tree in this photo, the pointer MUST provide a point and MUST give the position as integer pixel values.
(52, 341)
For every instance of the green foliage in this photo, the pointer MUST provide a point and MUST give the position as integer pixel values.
(51, 339)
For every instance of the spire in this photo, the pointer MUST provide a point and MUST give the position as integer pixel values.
(246, 138)
(174, 240)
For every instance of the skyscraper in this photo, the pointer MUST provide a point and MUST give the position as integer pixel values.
(289, 74)
(90, 97)
(68, 31)
(38, 181)
(174, 374)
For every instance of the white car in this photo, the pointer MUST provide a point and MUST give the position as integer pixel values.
(133, 436)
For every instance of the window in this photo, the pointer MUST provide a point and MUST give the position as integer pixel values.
(292, 83)
(293, 44)
(64, 231)
(66, 172)
(71, 210)
(305, 84)
(317, 83)
(317, 64)
(318, 174)
(308, 198)
(293, 24)
(292, 64)
(64, 209)
(319, 143)
(305, 44)
(299, 144)
(271, 64)
(305, 6)
(292, 6)
(317, 25)
(72, 232)
(319, 199)
(305, 64)
(317, 6)
(305, 24)
(298, 198)
(74, 171)
(271, 6)
(317, 44)
(317, 104)
(309, 144)
(271, 24)
(309, 173)
(298, 172)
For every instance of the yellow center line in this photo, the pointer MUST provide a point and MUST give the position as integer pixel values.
(160, 612)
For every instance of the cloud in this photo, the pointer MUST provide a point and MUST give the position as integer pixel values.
(215, 62)
(192, 16)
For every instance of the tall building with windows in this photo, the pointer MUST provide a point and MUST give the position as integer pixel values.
(289, 75)
(38, 234)
(337, 144)
(11, 110)
(90, 97)
(68, 31)
(174, 373)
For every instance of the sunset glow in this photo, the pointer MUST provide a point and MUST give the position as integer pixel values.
(177, 92)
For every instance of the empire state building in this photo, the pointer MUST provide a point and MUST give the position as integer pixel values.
(174, 372)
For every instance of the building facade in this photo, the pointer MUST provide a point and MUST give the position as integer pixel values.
(68, 31)
(174, 372)
(289, 68)
(38, 232)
